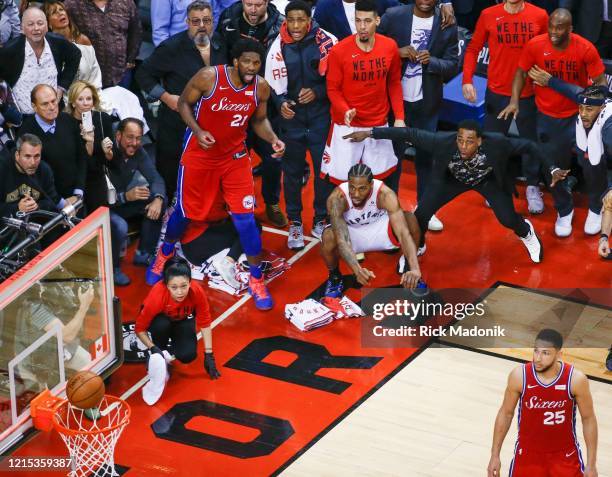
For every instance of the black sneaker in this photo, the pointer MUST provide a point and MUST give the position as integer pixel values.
(334, 287)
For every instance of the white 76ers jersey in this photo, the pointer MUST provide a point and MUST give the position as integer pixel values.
(366, 214)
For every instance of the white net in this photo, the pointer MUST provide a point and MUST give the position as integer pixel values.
(91, 442)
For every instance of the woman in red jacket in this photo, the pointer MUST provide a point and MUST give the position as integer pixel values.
(175, 308)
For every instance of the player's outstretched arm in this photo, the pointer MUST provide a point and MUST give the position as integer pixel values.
(582, 395)
(260, 123)
(199, 85)
(336, 206)
(504, 419)
(387, 199)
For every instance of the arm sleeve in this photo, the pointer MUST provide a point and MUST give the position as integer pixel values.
(568, 90)
(446, 66)
(71, 58)
(422, 139)
(203, 318)
(470, 58)
(134, 36)
(334, 83)
(394, 85)
(146, 167)
(148, 310)
(150, 73)
(320, 90)
(277, 99)
(595, 66)
(161, 18)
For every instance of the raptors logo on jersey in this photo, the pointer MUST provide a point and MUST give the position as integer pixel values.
(224, 113)
(366, 214)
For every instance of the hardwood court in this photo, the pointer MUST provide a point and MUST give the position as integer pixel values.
(434, 419)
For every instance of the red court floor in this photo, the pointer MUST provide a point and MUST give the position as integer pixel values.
(263, 412)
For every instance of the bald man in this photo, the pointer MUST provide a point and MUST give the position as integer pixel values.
(35, 57)
(575, 60)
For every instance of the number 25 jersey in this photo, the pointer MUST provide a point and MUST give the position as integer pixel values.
(225, 114)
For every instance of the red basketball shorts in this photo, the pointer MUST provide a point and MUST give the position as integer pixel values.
(547, 464)
(197, 187)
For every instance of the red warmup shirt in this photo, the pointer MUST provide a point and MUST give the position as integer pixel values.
(577, 64)
(365, 81)
(159, 301)
(506, 34)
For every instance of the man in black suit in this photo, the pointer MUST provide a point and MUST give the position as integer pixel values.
(37, 57)
(463, 161)
(164, 75)
(593, 21)
(429, 58)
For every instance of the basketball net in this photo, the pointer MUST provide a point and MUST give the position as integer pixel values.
(90, 442)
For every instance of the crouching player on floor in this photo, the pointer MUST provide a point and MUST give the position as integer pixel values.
(366, 216)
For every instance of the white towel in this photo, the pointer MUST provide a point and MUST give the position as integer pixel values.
(592, 143)
(158, 377)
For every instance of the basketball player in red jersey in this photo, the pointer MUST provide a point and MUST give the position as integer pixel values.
(215, 157)
(548, 391)
(506, 28)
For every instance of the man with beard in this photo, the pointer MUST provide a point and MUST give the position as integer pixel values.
(573, 59)
(215, 156)
(164, 75)
(549, 391)
(363, 83)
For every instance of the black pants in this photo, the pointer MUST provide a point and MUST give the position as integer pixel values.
(596, 179)
(556, 137)
(298, 141)
(168, 148)
(182, 333)
(215, 238)
(525, 123)
(442, 192)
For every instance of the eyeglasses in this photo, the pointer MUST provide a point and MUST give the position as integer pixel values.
(200, 21)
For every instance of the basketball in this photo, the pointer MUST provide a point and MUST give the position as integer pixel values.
(85, 390)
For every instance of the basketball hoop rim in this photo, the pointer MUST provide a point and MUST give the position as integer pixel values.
(111, 400)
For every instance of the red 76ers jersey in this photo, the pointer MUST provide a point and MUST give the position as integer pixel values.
(547, 412)
(224, 113)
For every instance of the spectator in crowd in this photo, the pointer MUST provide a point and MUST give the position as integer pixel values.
(261, 21)
(114, 29)
(593, 140)
(518, 21)
(83, 98)
(606, 228)
(363, 84)
(140, 193)
(26, 183)
(572, 58)
(10, 25)
(114, 100)
(63, 145)
(10, 118)
(593, 21)
(429, 59)
(164, 75)
(218, 7)
(37, 57)
(168, 18)
(468, 160)
(295, 70)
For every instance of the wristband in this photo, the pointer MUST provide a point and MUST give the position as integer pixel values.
(604, 237)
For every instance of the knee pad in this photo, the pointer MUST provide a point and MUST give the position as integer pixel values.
(250, 236)
(177, 223)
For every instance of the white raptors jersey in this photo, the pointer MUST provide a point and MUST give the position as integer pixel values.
(369, 212)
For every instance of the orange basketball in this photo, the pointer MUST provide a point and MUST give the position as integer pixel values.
(85, 390)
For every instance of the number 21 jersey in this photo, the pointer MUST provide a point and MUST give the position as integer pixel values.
(225, 114)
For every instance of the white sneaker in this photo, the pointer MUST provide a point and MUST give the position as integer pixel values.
(563, 225)
(435, 224)
(533, 244)
(421, 250)
(317, 230)
(592, 225)
(227, 269)
(535, 204)
(295, 239)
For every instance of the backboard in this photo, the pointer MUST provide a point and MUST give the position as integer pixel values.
(57, 318)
